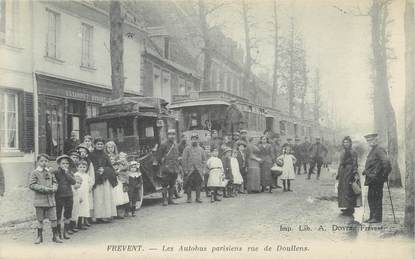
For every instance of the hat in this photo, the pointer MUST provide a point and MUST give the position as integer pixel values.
(236, 134)
(240, 142)
(214, 131)
(99, 139)
(81, 146)
(117, 162)
(134, 163)
(194, 135)
(370, 136)
(226, 149)
(243, 131)
(58, 160)
(73, 153)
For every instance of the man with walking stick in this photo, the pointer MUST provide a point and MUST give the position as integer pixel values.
(377, 169)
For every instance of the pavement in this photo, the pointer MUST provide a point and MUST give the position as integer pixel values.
(306, 216)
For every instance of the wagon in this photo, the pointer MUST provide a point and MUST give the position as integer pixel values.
(137, 125)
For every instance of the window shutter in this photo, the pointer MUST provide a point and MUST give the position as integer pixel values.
(27, 139)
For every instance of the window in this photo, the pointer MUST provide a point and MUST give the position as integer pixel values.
(92, 110)
(52, 47)
(87, 46)
(156, 82)
(190, 86)
(166, 86)
(8, 121)
(182, 86)
(9, 17)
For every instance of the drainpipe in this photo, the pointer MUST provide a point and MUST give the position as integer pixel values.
(35, 93)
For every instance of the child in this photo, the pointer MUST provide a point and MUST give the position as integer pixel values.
(76, 202)
(215, 175)
(83, 153)
(288, 173)
(121, 190)
(236, 173)
(84, 190)
(226, 162)
(44, 184)
(64, 195)
(134, 183)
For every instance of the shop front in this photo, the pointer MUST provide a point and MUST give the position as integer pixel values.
(64, 106)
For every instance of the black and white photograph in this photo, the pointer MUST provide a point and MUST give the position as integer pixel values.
(207, 129)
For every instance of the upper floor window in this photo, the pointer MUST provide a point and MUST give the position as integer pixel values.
(87, 59)
(9, 17)
(8, 121)
(182, 86)
(52, 45)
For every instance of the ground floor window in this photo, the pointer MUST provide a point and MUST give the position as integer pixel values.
(9, 121)
(54, 126)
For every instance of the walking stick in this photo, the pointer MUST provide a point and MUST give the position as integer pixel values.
(390, 198)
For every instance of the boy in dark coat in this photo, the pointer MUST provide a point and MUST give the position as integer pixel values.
(44, 184)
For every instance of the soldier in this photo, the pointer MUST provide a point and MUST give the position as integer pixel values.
(304, 155)
(317, 152)
(194, 159)
(377, 169)
(297, 154)
(168, 158)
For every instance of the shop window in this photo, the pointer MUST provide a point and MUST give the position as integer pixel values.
(92, 110)
(87, 46)
(54, 127)
(53, 32)
(9, 121)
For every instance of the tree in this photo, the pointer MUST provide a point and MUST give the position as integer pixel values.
(316, 93)
(384, 114)
(410, 119)
(116, 49)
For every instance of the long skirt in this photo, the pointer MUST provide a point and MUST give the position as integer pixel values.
(104, 203)
(346, 196)
(266, 177)
(120, 196)
(253, 176)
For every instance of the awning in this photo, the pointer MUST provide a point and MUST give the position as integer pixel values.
(197, 103)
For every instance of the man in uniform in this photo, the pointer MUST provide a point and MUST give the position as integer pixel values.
(377, 169)
(317, 152)
(304, 155)
(168, 158)
(298, 156)
(193, 160)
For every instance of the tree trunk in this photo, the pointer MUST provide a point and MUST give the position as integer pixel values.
(409, 220)
(248, 60)
(384, 114)
(303, 94)
(275, 69)
(207, 57)
(116, 49)
(291, 82)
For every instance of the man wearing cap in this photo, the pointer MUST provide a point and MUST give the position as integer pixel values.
(298, 155)
(377, 169)
(194, 159)
(289, 143)
(168, 158)
(235, 138)
(317, 152)
(244, 135)
(304, 155)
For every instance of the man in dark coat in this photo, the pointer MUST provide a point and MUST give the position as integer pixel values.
(317, 153)
(193, 160)
(304, 155)
(71, 143)
(298, 156)
(377, 169)
(167, 158)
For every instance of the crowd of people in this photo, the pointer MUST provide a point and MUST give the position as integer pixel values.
(95, 183)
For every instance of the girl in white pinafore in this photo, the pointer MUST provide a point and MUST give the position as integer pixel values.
(236, 173)
(288, 172)
(84, 192)
(216, 178)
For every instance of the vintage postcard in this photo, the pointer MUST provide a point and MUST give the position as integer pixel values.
(207, 129)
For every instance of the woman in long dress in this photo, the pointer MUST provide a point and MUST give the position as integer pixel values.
(266, 154)
(105, 181)
(347, 174)
(288, 172)
(253, 176)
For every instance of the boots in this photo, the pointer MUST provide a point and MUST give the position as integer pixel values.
(55, 236)
(59, 230)
(164, 192)
(212, 196)
(73, 226)
(39, 238)
(230, 191)
(283, 184)
(189, 196)
(170, 198)
(198, 200)
(133, 211)
(66, 231)
(80, 225)
(216, 197)
(289, 185)
(68, 228)
(225, 192)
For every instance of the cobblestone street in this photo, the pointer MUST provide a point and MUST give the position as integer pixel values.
(244, 219)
